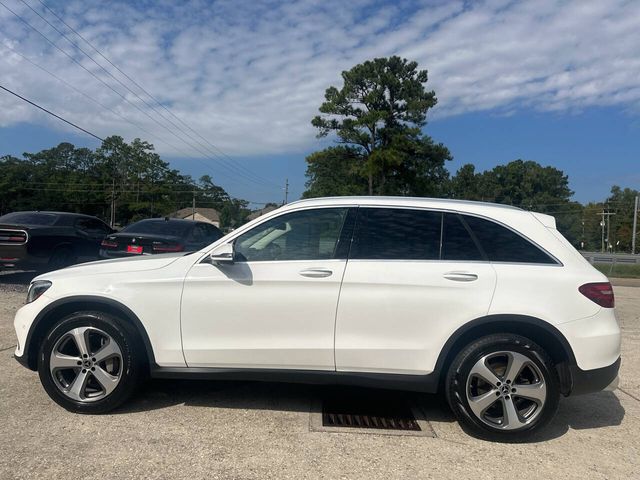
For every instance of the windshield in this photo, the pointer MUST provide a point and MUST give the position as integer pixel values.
(29, 218)
(158, 227)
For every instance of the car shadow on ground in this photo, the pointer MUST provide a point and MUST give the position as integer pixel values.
(18, 279)
(584, 412)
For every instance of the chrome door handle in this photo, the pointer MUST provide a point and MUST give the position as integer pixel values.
(316, 272)
(461, 276)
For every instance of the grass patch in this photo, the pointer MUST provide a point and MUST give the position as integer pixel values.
(619, 270)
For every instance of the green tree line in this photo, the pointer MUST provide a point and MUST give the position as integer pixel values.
(378, 120)
(378, 117)
(132, 176)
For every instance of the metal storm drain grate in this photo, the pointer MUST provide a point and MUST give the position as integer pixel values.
(364, 415)
(336, 415)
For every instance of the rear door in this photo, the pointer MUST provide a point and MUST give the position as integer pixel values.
(413, 277)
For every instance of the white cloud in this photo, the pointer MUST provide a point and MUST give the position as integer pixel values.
(249, 76)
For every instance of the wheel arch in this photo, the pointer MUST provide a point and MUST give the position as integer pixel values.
(62, 307)
(539, 331)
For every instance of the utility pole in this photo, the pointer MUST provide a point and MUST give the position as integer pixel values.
(193, 205)
(604, 214)
(113, 202)
(286, 191)
(635, 224)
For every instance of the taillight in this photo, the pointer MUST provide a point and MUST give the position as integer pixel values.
(600, 293)
(13, 237)
(106, 243)
(167, 247)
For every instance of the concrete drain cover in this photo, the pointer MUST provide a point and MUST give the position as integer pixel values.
(364, 415)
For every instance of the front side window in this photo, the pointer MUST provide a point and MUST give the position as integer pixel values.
(397, 234)
(504, 245)
(305, 235)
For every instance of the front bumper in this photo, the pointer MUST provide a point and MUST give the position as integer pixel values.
(23, 360)
(596, 380)
(23, 323)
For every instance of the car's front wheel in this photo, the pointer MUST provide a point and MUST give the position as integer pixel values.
(88, 364)
(503, 387)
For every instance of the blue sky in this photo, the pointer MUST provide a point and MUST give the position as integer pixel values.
(550, 81)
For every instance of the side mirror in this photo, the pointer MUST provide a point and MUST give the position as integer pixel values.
(222, 254)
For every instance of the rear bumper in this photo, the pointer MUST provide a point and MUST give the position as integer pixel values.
(594, 340)
(596, 380)
(110, 254)
(15, 256)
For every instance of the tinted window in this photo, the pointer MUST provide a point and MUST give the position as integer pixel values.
(159, 227)
(27, 218)
(504, 245)
(93, 226)
(305, 235)
(457, 243)
(213, 233)
(397, 234)
(199, 233)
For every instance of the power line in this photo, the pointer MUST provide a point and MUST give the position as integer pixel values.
(106, 84)
(82, 93)
(91, 98)
(230, 166)
(51, 113)
(146, 92)
(97, 102)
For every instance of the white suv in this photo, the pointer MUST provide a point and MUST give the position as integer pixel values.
(488, 304)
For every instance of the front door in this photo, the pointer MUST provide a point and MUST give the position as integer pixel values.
(275, 306)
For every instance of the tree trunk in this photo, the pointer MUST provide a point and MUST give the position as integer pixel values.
(370, 183)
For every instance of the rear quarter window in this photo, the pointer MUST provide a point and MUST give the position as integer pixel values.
(501, 244)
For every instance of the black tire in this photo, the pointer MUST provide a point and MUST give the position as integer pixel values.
(61, 257)
(462, 387)
(131, 369)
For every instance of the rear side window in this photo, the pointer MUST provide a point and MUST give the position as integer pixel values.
(397, 234)
(159, 227)
(457, 243)
(93, 226)
(29, 218)
(213, 233)
(503, 245)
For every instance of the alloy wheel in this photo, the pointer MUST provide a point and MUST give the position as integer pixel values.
(86, 364)
(506, 390)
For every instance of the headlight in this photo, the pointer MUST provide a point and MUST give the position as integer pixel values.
(36, 289)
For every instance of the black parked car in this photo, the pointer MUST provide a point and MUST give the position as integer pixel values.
(49, 240)
(159, 235)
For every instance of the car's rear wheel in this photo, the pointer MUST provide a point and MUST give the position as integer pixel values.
(503, 387)
(88, 364)
(62, 257)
